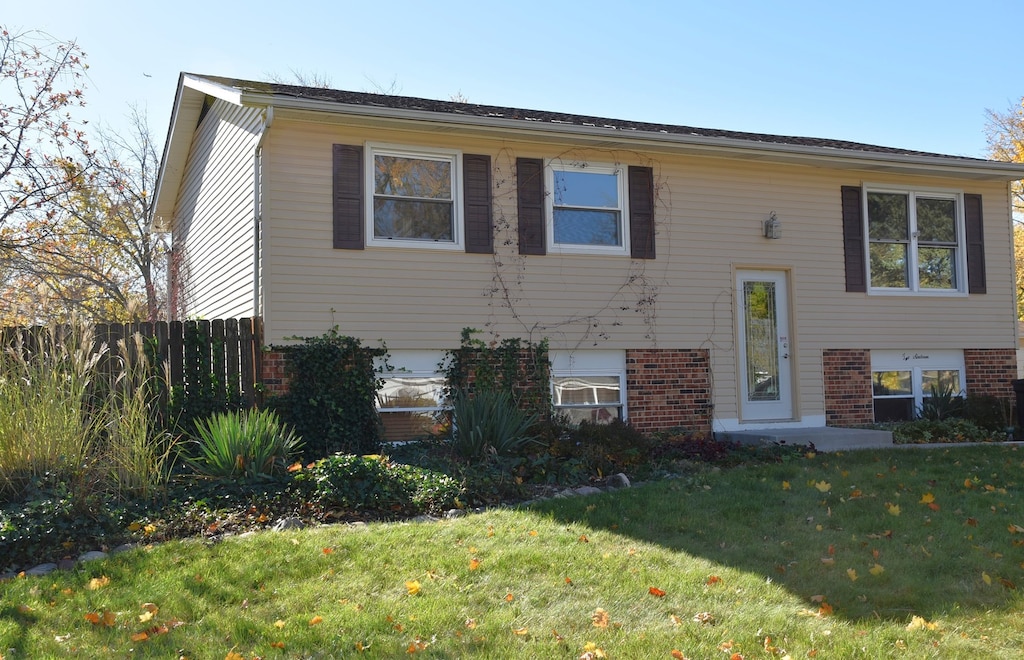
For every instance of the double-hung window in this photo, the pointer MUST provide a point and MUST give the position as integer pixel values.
(915, 241)
(587, 209)
(413, 198)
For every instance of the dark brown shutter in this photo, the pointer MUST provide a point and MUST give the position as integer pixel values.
(476, 190)
(975, 231)
(530, 201)
(641, 212)
(853, 240)
(348, 197)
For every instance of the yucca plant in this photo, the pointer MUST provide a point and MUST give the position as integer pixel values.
(243, 445)
(489, 421)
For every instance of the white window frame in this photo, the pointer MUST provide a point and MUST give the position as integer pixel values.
(581, 364)
(917, 362)
(623, 208)
(410, 364)
(913, 270)
(452, 156)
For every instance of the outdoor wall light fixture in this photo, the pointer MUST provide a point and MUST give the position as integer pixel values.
(772, 226)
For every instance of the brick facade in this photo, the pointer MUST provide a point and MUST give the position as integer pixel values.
(667, 388)
(848, 395)
(990, 371)
(275, 379)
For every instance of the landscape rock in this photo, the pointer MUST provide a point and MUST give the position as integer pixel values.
(619, 480)
(41, 569)
(93, 556)
(285, 524)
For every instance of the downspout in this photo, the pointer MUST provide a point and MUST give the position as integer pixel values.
(257, 212)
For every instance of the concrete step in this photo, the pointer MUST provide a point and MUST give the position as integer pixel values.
(824, 438)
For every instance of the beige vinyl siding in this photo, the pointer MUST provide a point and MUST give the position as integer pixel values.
(214, 217)
(708, 222)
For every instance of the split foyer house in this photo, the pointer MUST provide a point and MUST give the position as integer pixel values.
(690, 277)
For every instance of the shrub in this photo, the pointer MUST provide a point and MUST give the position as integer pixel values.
(604, 448)
(331, 400)
(374, 483)
(921, 431)
(944, 403)
(989, 412)
(489, 422)
(243, 445)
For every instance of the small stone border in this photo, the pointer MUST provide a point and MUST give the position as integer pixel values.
(614, 482)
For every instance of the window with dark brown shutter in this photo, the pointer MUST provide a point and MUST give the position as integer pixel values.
(975, 232)
(641, 212)
(477, 203)
(530, 204)
(853, 240)
(348, 197)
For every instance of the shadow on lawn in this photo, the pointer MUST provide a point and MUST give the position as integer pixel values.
(818, 527)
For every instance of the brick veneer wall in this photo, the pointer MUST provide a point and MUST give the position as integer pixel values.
(668, 388)
(275, 380)
(990, 370)
(848, 395)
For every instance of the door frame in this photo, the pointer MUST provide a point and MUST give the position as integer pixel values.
(785, 408)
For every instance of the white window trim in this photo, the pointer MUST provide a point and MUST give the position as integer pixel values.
(569, 364)
(549, 210)
(411, 364)
(452, 155)
(916, 362)
(912, 267)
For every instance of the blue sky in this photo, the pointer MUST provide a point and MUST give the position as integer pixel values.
(902, 73)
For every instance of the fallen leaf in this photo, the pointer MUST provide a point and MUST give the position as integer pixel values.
(712, 579)
(139, 636)
(145, 616)
(471, 623)
(876, 570)
(328, 551)
(98, 583)
(474, 564)
(1016, 529)
(927, 498)
(825, 609)
(412, 586)
(279, 624)
(583, 539)
(600, 618)
(785, 485)
(972, 522)
(823, 486)
(521, 631)
(893, 509)
(678, 655)
(277, 645)
(316, 621)
(852, 574)
(828, 561)
(656, 592)
(509, 598)
(985, 576)
(919, 623)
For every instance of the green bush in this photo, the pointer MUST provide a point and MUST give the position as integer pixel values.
(920, 431)
(489, 422)
(361, 483)
(331, 400)
(989, 412)
(243, 445)
(604, 448)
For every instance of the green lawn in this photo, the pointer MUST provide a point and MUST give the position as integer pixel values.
(907, 553)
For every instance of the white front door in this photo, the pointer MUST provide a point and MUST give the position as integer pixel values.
(766, 386)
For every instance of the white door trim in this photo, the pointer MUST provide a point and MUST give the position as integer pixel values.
(767, 395)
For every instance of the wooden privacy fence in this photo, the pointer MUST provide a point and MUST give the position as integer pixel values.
(218, 359)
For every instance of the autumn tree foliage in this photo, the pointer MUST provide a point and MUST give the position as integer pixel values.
(74, 231)
(44, 154)
(1005, 134)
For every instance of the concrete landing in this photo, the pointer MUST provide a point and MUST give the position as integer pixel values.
(824, 438)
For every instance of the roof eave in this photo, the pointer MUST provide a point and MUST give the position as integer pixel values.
(677, 142)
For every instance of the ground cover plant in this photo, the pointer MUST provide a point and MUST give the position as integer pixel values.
(889, 553)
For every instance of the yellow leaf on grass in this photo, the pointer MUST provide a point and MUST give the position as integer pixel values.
(927, 498)
(893, 509)
(986, 577)
(139, 636)
(145, 616)
(234, 655)
(823, 486)
(785, 485)
(98, 583)
(1016, 529)
(521, 631)
(600, 618)
(316, 621)
(876, 570)
(918, 623)
(474, 564)
(412, 586)
(852, 574)
(279, 624)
